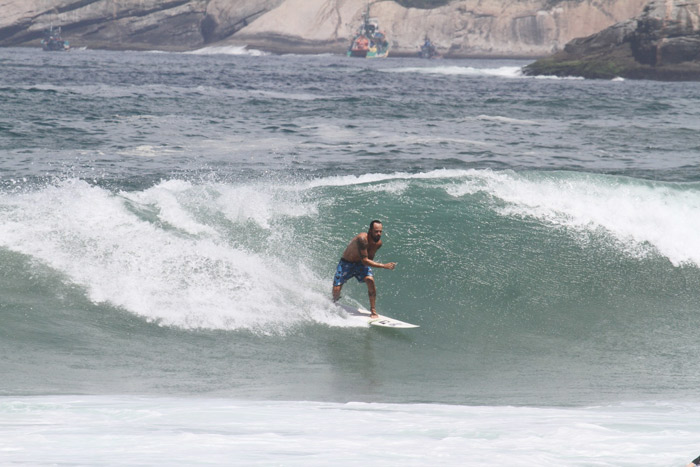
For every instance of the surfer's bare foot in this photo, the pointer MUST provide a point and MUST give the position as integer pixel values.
(373, 314)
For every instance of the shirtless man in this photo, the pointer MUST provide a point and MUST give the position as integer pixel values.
(358, 260)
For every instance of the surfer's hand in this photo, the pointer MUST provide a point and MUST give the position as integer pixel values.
(390, 265)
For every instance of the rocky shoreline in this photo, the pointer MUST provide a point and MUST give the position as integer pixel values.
(663, 43)
(460, 28)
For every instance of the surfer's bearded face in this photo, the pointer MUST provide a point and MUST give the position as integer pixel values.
(376, 232)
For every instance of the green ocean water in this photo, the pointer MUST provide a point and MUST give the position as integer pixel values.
(223, 289)
(170, 225)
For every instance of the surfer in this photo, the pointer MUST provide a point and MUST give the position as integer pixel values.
(358, 260)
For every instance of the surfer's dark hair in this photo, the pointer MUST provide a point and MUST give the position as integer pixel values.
(371, 224)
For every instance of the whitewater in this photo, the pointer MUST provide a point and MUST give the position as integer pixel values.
(170, 225)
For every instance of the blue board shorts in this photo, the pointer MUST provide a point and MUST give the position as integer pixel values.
(346, 270)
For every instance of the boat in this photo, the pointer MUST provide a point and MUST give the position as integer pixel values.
(428, 49)
(53, 41)
(369, 42)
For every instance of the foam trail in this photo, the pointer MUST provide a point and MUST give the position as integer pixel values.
(163, 253)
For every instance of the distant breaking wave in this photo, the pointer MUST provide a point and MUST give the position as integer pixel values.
(228, 50)
(503, 72)
(512, 72)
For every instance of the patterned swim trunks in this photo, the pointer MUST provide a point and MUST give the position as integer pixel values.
(346, 270)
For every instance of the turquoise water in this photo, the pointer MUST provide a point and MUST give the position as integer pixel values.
(171, 224)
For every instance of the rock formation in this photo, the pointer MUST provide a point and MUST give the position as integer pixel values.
(663, 43)
(460, 28)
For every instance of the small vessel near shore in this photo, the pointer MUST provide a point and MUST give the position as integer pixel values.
(369, 42)
(428, 49)
(53, 41)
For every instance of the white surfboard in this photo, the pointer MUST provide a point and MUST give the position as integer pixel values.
(383, 321)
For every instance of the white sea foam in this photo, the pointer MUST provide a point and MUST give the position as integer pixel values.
(643, 216)
(395, 187)
(228, 50)
(509, 120)
(116, 91)
(289, 95)
(511, 72)
(554, 77)
(147, 150)
(163, 254)
(108, 430)
(502, 72)
(348, 180)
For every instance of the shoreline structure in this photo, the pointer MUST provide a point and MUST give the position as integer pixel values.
(461, 29)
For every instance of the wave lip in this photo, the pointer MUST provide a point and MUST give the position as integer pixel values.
(643, 216)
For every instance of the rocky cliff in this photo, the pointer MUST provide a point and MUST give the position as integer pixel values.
(663, 43)
(495, 28)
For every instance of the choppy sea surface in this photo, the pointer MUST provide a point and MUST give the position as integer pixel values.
(170, 225)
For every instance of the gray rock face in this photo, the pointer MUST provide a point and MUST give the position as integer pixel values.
(524, 28)
(662, 43)
(494, 28)
(604, 40)
(106, 23)
(224, 18)
(679, 49)
(667, 32)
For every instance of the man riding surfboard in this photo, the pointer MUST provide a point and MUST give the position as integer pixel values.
(358, 260)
